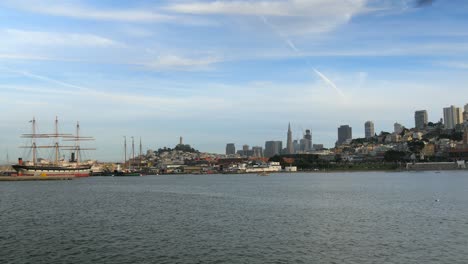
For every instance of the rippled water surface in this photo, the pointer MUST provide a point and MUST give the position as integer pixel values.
(284, 218)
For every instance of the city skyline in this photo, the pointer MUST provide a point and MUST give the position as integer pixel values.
(462, 113)
(233, 72)
(453, 116)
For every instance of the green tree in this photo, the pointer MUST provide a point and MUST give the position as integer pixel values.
(416, 146)
(394, 156)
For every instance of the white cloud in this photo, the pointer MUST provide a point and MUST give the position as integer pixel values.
(173, 62)
(67, 9)
(137, 31)
(232, 8)
(14, 56)
(271, 8)
(292, 16)
(454, 64)
(43, 38)
(378, 49)
(164, 104)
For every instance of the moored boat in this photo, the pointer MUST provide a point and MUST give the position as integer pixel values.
(46, 170)
(126, 174)
(129, 168)
(59, 167)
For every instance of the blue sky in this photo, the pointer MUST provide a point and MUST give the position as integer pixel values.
(226, 71)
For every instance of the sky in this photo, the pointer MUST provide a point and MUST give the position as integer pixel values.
(216, 72)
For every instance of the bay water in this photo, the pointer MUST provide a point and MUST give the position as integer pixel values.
(359, 217)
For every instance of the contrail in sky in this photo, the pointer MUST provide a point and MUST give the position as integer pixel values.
(44, 78)
(47, 79)
(153, 102)
(293, 47)
(281, 35)
(329, 82)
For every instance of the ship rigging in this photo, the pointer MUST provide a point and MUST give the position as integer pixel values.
(59, 167)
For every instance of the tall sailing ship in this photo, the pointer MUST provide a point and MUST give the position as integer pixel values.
(58, 166)
(130, 170)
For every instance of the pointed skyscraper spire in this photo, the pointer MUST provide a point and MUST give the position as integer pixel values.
(289, 143)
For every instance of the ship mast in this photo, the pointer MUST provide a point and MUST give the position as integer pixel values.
(125, 152)
(76, 155)
(141, 153)
(34, 135)
(133, 152)
(56, 146)
(34, 140)
(56, 142)
(77, 152)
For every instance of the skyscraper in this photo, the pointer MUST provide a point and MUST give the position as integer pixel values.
(245, 148)
(452, 116)
(257, 151)
(397, 128)
(317, 146)
(369, 129)
(420, 119)
(297, 146)
(306, 142)
(465, 114)
(230, 149)
(273, 148)
(289, 143)
(308, 135)
(345, 132)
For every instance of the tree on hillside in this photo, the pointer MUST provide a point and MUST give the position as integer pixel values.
(394, 156)
(404, 131)
(416, 146)
(456, 136)
(185, 148)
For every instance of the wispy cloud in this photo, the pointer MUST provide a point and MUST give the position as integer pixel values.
(163, 104)
(454, 64)
(136, 31)
(174, 62)
(297, 16)
(45, 78)
(21, 37)
(232, 8)
(269, 8)
(67, 9)
(14, 56)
